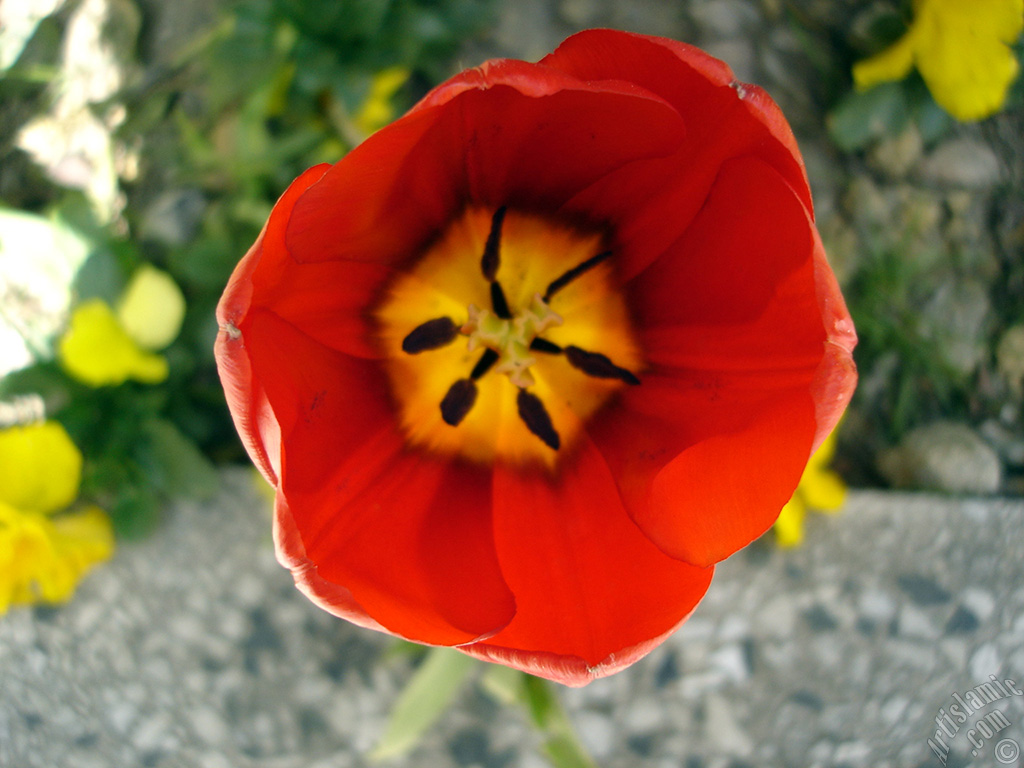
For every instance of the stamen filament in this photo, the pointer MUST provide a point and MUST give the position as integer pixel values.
(499, 303)
(492, 250)
(569, 275)
(543, 345)
(483, 365)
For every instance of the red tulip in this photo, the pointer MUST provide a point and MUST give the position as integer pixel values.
(526, 363)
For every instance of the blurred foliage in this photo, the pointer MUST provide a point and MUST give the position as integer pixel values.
(886, 297)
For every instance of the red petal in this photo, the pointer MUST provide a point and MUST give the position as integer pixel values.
(751, 235)
(361, 523)
(593, 594)
(836, 377)
(508, 133)
(245, 396)
(736, 320)
(250, 410)
(743, 458)
(653, 202)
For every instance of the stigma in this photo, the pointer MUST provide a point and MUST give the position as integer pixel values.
(505, 337)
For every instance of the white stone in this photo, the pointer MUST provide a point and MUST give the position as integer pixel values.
(209, 726)
(731, 662)
(984, 662)
(980, 602)
(597, 733)
(722, 729)
(915, 623)
(643, 716)
(962, 162)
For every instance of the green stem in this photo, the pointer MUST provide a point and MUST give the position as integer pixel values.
(561, 745)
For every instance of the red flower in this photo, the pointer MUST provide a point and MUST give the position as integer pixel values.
(529, 361)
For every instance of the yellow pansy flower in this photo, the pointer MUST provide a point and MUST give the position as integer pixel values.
(820, 489)
(44, 555)
(377, 111)
(43, 558)
(151, 308)
(40, 468)
(962, 50)
(98, 351)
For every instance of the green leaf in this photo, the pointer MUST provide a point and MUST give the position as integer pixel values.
(503, 684)
(860, 117)
(45, 380)
(135, 512)
(561, 745)
(175, 465)
(564, 751)
(429, 693)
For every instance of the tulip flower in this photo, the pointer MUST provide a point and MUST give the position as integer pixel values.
(529, 361)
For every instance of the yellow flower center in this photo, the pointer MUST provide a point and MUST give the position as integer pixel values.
(505, 336)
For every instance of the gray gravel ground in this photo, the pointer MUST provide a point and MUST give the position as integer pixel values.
(194, 649)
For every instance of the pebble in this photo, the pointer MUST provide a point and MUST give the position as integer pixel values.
(956, 319)
(876, 605)
(943, 456)
(1010, 358)
(597, 733)
(914, 622)
(895, 156)
(731, 662)
(738, 54)
(723, 730)
(985, 661)
(173, 218)
(980, 602)
(724, 18)
(1008, 443)
(962, 162)
(580, 13)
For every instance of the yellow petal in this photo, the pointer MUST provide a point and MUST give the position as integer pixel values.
(789, 527)
(42, 559)
(824, 454)
(97, 351)
(823, 491)
(894, 63)
(40, 468)
(152, 308)
(963, 57)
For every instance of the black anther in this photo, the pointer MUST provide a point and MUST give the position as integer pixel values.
(535, 417)
(432, 334)
(597, 365)
(457, 402)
